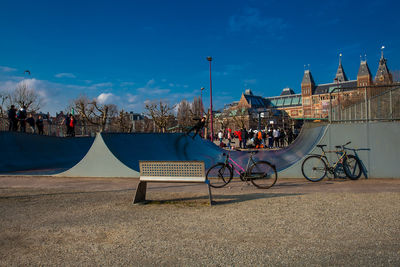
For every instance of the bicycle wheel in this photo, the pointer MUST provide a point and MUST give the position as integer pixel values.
(314, 168)
(352, 167)
(263, 174)
(339, 172)
(219, 175)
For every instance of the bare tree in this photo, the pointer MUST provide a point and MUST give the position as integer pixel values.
(184, 114)
(197, 107)
(241, 117)
(160, 114)
(124, 123)
(3, 98)
(94, 112)
(24, 96)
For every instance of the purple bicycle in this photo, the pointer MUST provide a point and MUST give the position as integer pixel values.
(261, 174)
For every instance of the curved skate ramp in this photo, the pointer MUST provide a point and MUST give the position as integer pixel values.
(131, 148)
(99, 162)
(308, 138)
(31, 154)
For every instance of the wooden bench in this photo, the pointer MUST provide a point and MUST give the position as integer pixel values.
(169, 172)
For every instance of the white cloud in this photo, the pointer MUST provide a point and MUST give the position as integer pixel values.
(106, 98)
(131, 98)
(7, 69)
(65, 75)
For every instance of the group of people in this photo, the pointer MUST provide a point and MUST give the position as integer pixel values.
(271, 138)
(21, 118)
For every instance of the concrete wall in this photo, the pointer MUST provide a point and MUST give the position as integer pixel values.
(382, 160)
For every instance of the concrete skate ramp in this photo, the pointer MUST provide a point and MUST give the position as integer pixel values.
(379, 141)
(31, 154)
(99, 162)
(131, 148)
(308, 138)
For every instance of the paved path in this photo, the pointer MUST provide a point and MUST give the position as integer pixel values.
(68, 221)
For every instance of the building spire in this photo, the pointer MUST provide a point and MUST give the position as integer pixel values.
(383, 75)
(340, 74)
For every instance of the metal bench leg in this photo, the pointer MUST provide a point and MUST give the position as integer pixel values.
(209, 193)
(140, 195)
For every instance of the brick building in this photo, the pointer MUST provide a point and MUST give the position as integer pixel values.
(315, 100)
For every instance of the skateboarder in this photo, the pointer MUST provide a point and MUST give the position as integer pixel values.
(198, 126)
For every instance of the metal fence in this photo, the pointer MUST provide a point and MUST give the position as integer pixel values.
(368, 104)
(54, 129)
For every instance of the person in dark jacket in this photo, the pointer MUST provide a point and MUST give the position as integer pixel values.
(21, 116)
(245, 136)
(12, 119)
(198, 126)
(31, 122)
(40, 124)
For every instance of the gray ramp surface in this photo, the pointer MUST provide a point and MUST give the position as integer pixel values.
(31, 154)
(99, 162)
(131, 148)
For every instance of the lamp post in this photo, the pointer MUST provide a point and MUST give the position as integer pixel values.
(201, 101)
(211, 107)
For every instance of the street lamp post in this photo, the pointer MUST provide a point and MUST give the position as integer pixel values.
(211, 107)
(201, 101)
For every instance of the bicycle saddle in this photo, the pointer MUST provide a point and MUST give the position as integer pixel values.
(338, 146)
(321, 146)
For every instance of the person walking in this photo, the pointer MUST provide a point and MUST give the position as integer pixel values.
(21, 116)
(270, 139)
(229, 136)
(276, 134)
(40, 124)
(239, 135)
(282, 137)
(289, 136)
(245, 136)
(12, 119)
(220, 137)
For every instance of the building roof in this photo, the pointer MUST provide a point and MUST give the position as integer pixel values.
(287, 91)
(364, 69)
(383, 69)
(307, 78)
(329, 87)
(340, 74)
(257, 101)
(285, 101)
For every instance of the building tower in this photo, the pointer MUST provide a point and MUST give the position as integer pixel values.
(307, 89)
(340, 74)
(364, 77)
(383, 76)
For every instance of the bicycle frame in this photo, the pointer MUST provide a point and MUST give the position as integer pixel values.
(337, 162)
(243, 172)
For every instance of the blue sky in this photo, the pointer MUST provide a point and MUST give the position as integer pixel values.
(130, 52)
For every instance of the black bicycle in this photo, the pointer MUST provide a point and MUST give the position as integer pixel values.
(261, 174)
(315, 167)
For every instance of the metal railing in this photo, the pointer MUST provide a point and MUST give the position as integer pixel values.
(368, 104)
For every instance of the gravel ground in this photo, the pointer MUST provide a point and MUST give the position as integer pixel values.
(65, 221)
